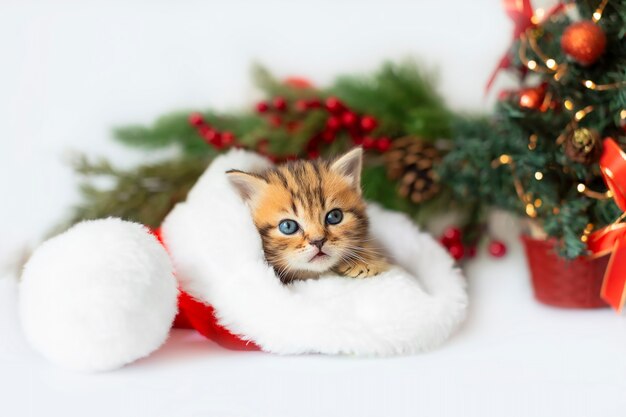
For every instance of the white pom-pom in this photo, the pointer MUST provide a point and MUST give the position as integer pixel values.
(98, 296)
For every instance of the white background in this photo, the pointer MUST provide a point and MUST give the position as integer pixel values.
(70, 71)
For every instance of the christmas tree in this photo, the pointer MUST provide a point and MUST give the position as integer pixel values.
(538, 154)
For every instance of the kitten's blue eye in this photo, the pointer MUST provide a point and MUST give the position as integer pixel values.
(288, 227)
(334, 216)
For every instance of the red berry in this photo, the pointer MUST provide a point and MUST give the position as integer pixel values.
(497, 249)
(313, 143)
(328, 136)
(333, 123)
(348, 119)
(209, 134)
(314, 104)
(302, 105)
(280, 104)
(228, 138)
(383, 144)
(298, 82)
(313, 154)
(293, 126)
(275, 120)
(262, 146)
(262, 107)
(333, 105)
(217, 139)
(196, 119)
(357, 140)
(368, 123)
(456, 251)
(368, 142)
(451, 235)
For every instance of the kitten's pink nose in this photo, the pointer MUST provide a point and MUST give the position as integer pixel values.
(318, 242)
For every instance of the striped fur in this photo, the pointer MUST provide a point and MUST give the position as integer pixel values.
(305, 191)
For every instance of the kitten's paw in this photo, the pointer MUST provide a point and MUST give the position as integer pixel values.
(363, 270)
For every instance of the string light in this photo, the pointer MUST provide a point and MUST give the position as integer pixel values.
(532, 141)
(530, 210)
(569, 104)
(532, 64)
(580, 114)
(603, 87)
(622, 114)
(582, 188)
(589, 84)
(586, 232)
(538, 175)
(538, 202)
(597, 14)
(551, 63)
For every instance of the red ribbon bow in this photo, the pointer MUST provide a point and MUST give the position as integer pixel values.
(521, 13)
(612, 239)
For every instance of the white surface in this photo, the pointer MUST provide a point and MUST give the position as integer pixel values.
(71, 70)
(513, 358)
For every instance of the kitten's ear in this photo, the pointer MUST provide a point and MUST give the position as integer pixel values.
(249, 186)
(349, 165)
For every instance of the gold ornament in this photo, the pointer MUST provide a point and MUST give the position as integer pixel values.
(583, 145)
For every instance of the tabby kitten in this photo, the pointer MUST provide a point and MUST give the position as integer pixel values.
(311, 217)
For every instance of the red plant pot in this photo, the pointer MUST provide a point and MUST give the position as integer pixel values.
(564, 283)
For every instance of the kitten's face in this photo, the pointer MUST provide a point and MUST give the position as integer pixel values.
(310, 214)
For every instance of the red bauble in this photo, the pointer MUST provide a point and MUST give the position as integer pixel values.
(196, 119)
(262, 107)
(497, 248)
(457, 251)
(451, 235)
(368, 123)
(584, 41)
(280, 104)
(532, 98)
(334, 105)
(383, 144)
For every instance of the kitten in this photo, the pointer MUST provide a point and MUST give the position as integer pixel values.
(312, 218)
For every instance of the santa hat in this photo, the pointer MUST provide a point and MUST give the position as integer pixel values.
(230, 294)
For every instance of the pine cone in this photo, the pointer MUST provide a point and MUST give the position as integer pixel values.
(411, 161)
(583, 145)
